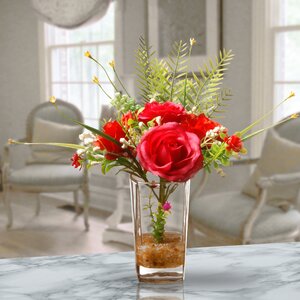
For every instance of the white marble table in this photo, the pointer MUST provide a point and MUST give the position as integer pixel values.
(241, 272)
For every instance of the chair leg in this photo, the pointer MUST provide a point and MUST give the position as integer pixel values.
(38, 205)
(76, 205)
(86, 203)
(7, 204)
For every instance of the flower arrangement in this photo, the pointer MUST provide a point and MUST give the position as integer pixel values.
(172, 132)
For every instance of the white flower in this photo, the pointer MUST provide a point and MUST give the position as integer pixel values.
(87, 138)
(216, 129)
(80, 151)
(97, 156)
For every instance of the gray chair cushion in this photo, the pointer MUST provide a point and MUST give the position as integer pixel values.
(279, 156)
(42, 176)
(227, 213)
(52, 132)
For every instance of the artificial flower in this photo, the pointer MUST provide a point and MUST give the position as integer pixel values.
(199, 125)
(170, 152)
(113, 129)
(76, 161)
(167, 206)
(167, 111)
(234, 143)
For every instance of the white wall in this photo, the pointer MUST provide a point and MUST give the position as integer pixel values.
(19, 69)
(236, 36)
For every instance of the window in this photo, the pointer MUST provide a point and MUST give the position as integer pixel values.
(70, 73)
(286, 37)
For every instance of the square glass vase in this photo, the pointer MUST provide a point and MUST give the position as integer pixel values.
(160, 231)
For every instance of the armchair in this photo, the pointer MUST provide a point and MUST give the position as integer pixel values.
(265, 209)
(47, 169)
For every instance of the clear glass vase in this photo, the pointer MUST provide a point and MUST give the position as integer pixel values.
(160, 216)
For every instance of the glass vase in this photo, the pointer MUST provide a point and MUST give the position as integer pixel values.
(160, 216)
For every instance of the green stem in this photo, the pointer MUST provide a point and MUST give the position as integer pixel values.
(222, 148)
(265, 115)
(121, 83)
(103, 90)
(175, 70)
(101, 66)
(266, 128)
(186, 74)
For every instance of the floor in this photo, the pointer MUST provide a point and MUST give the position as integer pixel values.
(54, 232)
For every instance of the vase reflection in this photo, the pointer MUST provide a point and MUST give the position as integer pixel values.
(160, 292)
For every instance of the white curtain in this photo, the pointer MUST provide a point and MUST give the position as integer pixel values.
(70, 13)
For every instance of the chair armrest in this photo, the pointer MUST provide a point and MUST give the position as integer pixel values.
(278, 179)
(263, 184)
(244, 161)
(6, 159)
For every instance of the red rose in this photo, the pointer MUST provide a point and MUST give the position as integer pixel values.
(199, 124)
(170, 152)
(168, 111)
(113, 129)
(234, 143)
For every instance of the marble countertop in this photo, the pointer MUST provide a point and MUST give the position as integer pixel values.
(270, 271)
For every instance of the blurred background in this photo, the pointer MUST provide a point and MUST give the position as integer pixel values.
(42, 46)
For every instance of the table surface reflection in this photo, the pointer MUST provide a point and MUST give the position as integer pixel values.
(270, 271)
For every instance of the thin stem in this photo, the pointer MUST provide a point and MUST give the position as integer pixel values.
(186, 74)
(101, 66)
(175, 70)
(119, 80)
(266, 115)
(98, 83)
(266, 128)
(222, 148)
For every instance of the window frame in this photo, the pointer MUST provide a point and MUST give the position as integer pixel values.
(46, 81)
(265, 16)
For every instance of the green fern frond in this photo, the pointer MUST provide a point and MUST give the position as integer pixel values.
(143, 62)
(177, 63)
(209, 82)
(216, 103)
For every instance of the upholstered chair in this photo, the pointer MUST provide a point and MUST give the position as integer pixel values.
(47, 168)
(265, 210)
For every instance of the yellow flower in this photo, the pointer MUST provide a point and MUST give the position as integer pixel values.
(52, 99)
(96, 79)
(87, 54)
(112, 64)
(294, 116)
(10, 141)
(192, 41)
(292, 94)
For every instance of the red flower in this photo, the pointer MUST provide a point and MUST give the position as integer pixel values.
(170, 152)
(113, 129)
(168, 111)
(199, 124)
(234, 143)
(126, 117)
(76, 161)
